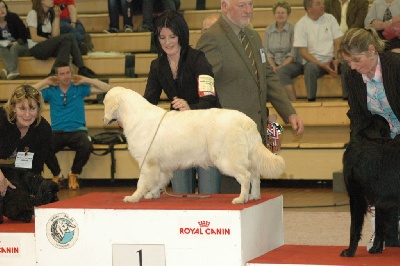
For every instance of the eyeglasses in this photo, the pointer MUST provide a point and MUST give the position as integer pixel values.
(65, 99)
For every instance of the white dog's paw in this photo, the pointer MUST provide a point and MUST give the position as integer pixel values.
(153, 194)
(131, 199)
(254, 197)
(239, 200)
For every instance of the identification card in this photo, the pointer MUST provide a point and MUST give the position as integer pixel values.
(263, 57)
(24, 160)
(206, 85)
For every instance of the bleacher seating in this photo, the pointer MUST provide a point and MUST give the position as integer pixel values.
(327, 126)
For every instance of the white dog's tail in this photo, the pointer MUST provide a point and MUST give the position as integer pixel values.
(268, 164)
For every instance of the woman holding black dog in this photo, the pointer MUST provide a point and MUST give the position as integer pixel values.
(24, 136)
(373, 83)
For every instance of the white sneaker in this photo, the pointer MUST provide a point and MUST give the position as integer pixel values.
(3, 74)
(12, 75)
(128, 29)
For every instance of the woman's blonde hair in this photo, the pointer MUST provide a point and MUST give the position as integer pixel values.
(20, 94)
(358, 40)
(282, 4)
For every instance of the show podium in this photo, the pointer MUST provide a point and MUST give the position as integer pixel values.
(101, 229)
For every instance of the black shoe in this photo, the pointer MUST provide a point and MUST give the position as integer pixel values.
(87, 72)
(311, 99)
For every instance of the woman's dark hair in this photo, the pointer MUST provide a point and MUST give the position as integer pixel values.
(41, 14)
(176, 23)
(5, 4)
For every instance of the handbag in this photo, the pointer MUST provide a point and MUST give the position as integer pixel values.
(110, 138)
(392, 31)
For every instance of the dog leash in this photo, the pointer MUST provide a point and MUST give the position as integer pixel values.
(165, 191)
(185, 195)
(155, 134)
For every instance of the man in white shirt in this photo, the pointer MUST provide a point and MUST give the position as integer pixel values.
(317, 35)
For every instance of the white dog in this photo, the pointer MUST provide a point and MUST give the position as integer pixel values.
(162, 142)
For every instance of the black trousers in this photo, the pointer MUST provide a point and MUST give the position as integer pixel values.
(77, 141)
(61, 47)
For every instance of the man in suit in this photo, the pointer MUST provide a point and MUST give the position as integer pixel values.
(239, 85)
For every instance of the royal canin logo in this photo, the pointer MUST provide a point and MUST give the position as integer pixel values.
(9, 250)
(204, 229)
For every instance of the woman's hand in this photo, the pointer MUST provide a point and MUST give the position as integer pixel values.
(4, 184)
(180, 104)
(57, 11)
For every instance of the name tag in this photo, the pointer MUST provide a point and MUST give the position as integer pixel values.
(24, 160)
(263, 57)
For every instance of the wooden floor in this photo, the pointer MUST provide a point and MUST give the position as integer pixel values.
(310, 199)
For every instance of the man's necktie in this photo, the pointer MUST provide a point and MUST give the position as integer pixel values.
(388, 15)
(246, 45)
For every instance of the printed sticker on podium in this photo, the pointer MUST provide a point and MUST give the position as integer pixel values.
(138, 255)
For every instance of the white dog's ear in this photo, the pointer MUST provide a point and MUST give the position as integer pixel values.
(111, 105)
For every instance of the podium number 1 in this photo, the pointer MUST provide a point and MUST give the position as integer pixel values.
(140, 257)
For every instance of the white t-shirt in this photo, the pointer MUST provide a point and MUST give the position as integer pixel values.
(32, 21)
(317, 36)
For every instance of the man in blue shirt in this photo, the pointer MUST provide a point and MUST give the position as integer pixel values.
(65, 92)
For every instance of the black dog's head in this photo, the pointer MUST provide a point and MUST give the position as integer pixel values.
(372, 128)
(47, 193)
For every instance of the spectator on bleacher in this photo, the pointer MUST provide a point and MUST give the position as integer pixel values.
(45, 40)
(66, 92)
(349, 14)
(373, 89)
(381, 15)
(208, 22)
(69, 23)
(12, 41)
(186, 77)
(22, 126)
(242, 85)
(147, 11)
(317, 36)
(115, 8)
(278, 43)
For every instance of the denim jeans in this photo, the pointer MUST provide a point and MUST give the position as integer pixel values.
(184, 181)
(78, 31)
(10, 55)
(115, 7)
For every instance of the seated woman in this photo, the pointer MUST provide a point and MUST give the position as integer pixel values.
(381, 15)
(278, 42)
(24, 147)
(13, 37)
(69, 23)
(45, 40)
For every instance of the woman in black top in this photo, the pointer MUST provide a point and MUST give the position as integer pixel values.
(186, 77)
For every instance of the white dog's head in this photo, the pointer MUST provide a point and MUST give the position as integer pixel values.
(111, 104)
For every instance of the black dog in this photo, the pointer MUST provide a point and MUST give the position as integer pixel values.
(371, 169)
(32, 190)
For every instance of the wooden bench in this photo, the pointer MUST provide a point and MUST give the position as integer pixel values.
(323, 112)
(262, 17)
(122, 42)
(102, 65)
(216, 4)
